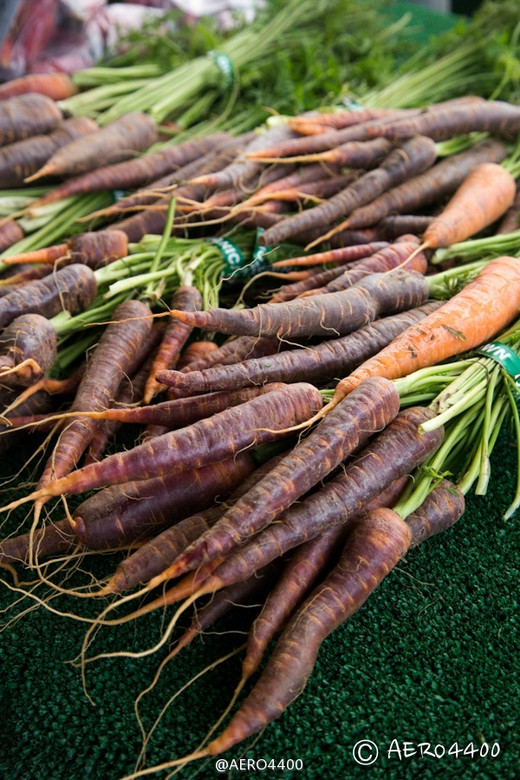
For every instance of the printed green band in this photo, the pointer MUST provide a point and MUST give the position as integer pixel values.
(236, 264)
(224, 65)
(505, 356)
(351, 105)
(234, 259)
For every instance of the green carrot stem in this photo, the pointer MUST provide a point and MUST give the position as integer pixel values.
(487, 428)
(470, 473)
(161, 248)
(503, 243)
(512, 397)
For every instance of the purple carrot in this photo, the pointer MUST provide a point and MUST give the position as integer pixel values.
(392, 454)
(310, 461)
(72, 288)
(264, 418)
(328, 314)
(156, 555)
(330, 359)
(139, 509)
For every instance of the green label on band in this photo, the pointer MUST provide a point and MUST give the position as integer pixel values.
(234, 259)
(224, 65)
(236, 265)
(505, 356)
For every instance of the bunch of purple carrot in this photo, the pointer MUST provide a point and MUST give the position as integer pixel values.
(198, 506)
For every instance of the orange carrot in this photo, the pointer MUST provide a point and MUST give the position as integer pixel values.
(484, 196)
(57, 86)
(117, 141)
(481, 310)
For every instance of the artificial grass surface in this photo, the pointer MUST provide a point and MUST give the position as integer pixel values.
(431, 657)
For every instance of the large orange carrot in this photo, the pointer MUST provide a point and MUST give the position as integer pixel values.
(22, 158)
(117, 141)
(27, 115)
(484, 196)
(57, 86)
(481, 310)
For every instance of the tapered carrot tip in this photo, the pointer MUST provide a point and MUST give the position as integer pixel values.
(47, 170)
(47, 255)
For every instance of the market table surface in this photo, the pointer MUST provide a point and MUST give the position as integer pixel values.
(427, 666)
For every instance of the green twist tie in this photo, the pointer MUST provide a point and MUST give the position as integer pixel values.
(505, 356)
(224, 65)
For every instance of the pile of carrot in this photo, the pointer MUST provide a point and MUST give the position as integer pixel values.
(241, 483)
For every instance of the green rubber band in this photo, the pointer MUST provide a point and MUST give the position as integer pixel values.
(233, 257)
(224, 65)
(505, 356)
(235, 262)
